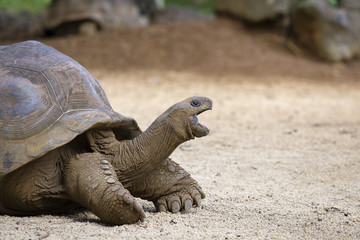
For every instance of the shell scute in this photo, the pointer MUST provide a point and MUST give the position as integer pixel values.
(47, 99)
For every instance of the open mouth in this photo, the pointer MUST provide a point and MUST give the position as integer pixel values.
(198, 129)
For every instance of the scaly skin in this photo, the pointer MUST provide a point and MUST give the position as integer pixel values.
(63, 180)
(164, 182)
(90, 180)
(169, 186)
(142, 164)
(36, 187)
(95, 169)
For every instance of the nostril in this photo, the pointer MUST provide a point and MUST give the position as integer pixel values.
(195, 103)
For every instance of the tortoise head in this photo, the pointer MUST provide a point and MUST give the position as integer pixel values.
(183, 117)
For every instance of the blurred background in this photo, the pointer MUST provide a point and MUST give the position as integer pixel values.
(329, 29)
(282, 158)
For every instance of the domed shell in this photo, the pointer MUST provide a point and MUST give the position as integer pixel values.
(46, 100)
(107, 14)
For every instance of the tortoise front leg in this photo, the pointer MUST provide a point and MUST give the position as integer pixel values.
(90, 180)
(169, 186)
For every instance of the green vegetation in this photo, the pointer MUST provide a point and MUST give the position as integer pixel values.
(334, 3)
(204, 6)
(36, 6)
(33, 6)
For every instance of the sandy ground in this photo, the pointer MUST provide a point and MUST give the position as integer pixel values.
(282, 160)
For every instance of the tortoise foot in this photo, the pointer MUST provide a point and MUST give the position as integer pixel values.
(169, 186)
(190, 196)
(120, 207)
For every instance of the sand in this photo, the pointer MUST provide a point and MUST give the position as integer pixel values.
(282, 159)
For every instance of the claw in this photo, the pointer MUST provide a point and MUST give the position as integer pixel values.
(174, 204)
(187, 204)
(175, 207)
(162, 208)
(161, 205)
(198, 200)
(201, 192)
(140, 210)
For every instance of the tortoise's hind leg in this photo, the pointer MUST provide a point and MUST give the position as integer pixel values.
(90, 180)
(169, 186)
(35, 188)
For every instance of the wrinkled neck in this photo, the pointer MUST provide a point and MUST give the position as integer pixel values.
(136, 157)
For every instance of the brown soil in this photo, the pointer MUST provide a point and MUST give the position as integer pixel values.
(282, 160)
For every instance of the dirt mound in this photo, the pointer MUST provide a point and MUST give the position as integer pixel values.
(219, 47)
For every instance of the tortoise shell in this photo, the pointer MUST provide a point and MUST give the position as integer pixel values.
(107, 14)
(47, 99)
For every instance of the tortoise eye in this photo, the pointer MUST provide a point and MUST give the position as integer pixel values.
(195, 103)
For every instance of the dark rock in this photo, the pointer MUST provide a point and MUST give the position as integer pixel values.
(333, 33)
(255, 10)
(173, 14)
(147, 7)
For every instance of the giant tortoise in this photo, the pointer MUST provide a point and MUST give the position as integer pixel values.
(88, 16)
(62, 146)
